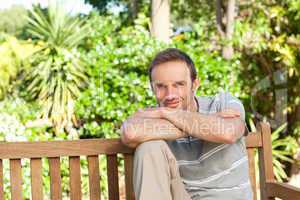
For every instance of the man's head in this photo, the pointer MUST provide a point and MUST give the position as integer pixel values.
(173, 79)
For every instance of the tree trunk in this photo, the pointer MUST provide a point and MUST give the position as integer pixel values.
(160, 20)
(134, 8)
(227, 50)
(219, 16)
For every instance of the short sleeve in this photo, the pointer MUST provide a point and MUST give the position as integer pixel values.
(227, 101)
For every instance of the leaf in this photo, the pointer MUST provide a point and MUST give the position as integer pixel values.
(275, 134)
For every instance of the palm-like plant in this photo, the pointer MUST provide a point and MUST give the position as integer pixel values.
(283, 150)
(58, 72)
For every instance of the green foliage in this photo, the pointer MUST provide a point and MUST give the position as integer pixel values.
(58, 71)
(101, 5)
(15, 115)
(268, 35)
(14, 54)
(13, 20)
(187, 12)
(118, 74)
(283, 150)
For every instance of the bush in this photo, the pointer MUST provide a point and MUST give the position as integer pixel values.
(14, 54)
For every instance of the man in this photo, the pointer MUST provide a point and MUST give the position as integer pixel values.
(187, 147)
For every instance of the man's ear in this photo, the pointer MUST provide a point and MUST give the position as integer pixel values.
(195, 85)
(151, 87)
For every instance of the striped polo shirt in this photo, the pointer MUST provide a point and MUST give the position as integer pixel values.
(212, 171)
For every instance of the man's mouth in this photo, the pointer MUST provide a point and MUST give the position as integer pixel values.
(171, 104)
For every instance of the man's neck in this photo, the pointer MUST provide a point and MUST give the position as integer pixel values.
(194, 105)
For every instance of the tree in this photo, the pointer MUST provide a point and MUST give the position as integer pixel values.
(226, 31)
(134, 8)
(160, 19)
(100, 5)
(13, 20)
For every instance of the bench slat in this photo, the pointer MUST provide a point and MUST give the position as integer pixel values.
(128, 164)
(15, 179)
(265, 158)
(94, 177)
(36, 178)
(253, 140)
(55, 178)
(81, 147)
(1, 180)
(75, 181)
(252, 176)
(112, 176)
(282, 191)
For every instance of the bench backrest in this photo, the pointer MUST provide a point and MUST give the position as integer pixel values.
(260, 140)
(53, 151)
(92, 148)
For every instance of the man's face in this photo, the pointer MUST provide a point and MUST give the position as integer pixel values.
(172, 85)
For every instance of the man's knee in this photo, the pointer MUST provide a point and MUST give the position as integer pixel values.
(150, 147)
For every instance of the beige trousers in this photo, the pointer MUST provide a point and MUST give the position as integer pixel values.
(155, 173)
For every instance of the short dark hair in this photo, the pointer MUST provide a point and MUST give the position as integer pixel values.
(173, 54)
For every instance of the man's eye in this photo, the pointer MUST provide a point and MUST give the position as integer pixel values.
(180, 84)
(159, 86)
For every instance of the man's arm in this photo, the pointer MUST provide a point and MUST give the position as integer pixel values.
(213, 127)
(225, 126)
(136, 130)
(149, 124)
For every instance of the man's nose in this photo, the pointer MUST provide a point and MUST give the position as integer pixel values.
(171, 92)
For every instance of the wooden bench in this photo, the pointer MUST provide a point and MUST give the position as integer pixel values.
(92, 148)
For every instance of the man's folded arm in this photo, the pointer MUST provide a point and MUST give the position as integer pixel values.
(212, 127)
(136, 130)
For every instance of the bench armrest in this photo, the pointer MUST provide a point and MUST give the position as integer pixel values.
(282, 190)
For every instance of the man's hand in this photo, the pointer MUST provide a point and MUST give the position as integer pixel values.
(229, 113)
(148, 124)
(155, 113)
